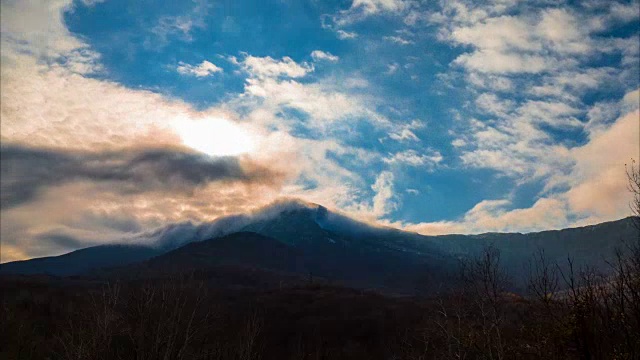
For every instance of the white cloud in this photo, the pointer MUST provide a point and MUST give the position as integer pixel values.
(427, 160)
(623, 12)
(458, 143)
(415, 17)
(544, 214)
(325, 102)
(515, 148)
(500, 33)
(37, 28)
(521, 43)
(375, 6)
(570, 84)
(461, 12)
(356, 83)
(564, 32)
(497, 62)
(493, 215)
(56, 108)
(490, 81)
(321, 103)
(319, 55)
(594, 180)
(268, 67)
(398, 40)
(92, 2)
(383, 199)
(554, 113)
(631, 100)
(346, 35)
(362, 9)
(492, 104)
(203, 69)
(546, 56)
(180, 26)
(392, 68)
(598, 182)
(404, 134)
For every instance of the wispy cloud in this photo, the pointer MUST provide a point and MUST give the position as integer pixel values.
(549, 57)
(268, 67)
(596, 190)
(346, 35)
(180, 26)
(398, 40)
(428, 160)
(204, 69)
(554, 47)
(392, 68)
(37, 28)
(361, 9)
(319, 55)
(494, 215)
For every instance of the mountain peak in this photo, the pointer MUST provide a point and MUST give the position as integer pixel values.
(287, 205)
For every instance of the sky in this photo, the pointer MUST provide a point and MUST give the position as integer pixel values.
(119, 117)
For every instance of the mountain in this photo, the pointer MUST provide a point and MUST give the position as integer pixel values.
(316, 255)
(592, 246)
(303, 240)
(313, 225)
(241, 259)
(237, 249)
(81, 261)
(340, 249)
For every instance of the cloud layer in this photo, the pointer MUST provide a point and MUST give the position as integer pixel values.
(28, 171)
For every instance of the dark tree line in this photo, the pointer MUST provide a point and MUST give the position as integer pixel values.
(566, 314)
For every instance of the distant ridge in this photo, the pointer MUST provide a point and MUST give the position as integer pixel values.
(299, 238)
(81, 261)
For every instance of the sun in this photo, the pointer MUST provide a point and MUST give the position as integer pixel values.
(214, 136)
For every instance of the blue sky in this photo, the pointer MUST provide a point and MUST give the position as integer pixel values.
(437, 117)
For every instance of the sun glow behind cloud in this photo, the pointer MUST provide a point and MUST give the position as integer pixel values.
(214, 136)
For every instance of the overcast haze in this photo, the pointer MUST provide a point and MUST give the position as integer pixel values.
(119, 117)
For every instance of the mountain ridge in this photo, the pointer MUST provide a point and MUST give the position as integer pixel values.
(340, 248)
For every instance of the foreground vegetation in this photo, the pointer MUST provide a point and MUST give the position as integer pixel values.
(573, 314)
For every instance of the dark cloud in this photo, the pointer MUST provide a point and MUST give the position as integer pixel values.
(26, 171)
(61, 241)
(120, 222)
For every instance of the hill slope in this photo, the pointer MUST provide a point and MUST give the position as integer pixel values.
(81, 261)
(306, 239)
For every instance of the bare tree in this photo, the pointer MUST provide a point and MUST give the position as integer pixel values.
(79, 341)
(248, 346)
(485, 284)
(543, 278)
(451, 320)
(633, 184)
